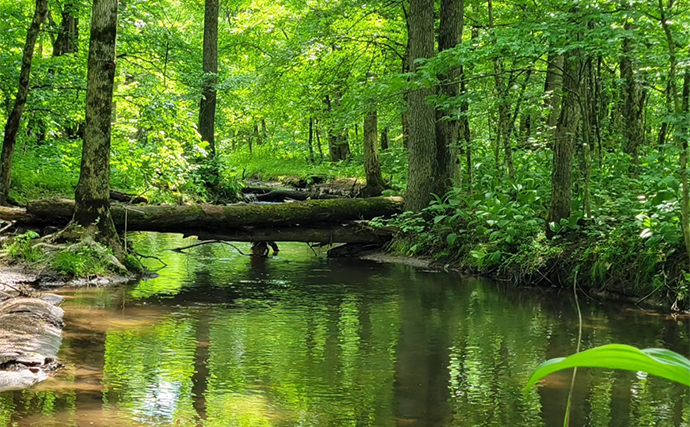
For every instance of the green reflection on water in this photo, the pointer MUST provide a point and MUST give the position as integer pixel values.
(224, 340)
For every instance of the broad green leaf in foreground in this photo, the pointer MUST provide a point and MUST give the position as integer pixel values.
(656, 361)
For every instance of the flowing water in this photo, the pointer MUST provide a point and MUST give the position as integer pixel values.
(221, 339)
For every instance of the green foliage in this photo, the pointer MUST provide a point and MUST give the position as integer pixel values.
(83, 262)
(656, 361)
(22, 248)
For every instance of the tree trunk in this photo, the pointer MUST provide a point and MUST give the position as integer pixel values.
(372, 168)
(681, 107)
(338, 146)
(384, 138)
(422, 145)
(502, 90)
(67, 40)
(685, 128)
(207, 110)
(92, 195)
(405, 117)
(446, 128)
(566, 129)
(257, 135)
(311, 140)
(15, 116)
(318, 143)
(552, 88)
(633, 129)
(464, 130)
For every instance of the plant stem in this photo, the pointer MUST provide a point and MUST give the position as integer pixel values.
(566, 419)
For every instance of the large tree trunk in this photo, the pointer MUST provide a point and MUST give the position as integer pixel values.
(633, 129)
(422, 145)
(447, 129)
(92, 195)
(67, 40)
(372, 167)
(207, 110)
(564, 141)
(15, 116)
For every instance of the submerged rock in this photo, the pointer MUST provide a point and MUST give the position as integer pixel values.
(30, 337)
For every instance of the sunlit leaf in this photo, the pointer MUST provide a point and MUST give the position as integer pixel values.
(656, 361)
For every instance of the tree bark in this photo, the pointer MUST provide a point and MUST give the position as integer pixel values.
(563, 148)
(207, 108)
(92, 195)
(552, 88)
(446, 127)
(15, 116)
(422, 145)
(372, 167)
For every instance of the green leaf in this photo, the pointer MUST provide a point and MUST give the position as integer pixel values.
(656, 361)
(451, 239)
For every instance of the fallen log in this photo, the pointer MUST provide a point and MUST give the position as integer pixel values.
(214, 218)
(119, 196)
(277, 194)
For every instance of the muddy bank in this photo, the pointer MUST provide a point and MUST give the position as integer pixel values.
(30, 337)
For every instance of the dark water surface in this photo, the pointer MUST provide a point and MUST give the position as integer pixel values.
(222, 339)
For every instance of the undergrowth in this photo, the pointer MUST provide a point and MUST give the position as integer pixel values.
(631, 245)
(75, 261)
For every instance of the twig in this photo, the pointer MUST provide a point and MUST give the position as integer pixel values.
(7, 227)
(151, 257)
(207, 242)
(312, 249)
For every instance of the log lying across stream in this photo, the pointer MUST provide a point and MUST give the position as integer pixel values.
(323, 221)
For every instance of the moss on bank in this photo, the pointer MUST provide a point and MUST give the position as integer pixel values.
(82, 260)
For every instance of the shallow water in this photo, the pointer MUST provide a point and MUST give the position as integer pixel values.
(221, 339)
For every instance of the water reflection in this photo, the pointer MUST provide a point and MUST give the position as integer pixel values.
(225, 340)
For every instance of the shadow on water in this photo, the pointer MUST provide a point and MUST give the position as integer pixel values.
(220, 339)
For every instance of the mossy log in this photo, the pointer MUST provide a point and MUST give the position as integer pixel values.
(218, 218)
(310, 221)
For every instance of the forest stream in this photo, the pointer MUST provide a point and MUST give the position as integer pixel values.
(222, 339)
